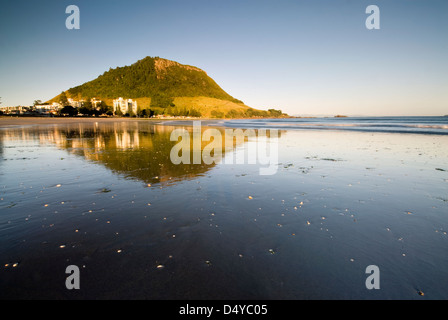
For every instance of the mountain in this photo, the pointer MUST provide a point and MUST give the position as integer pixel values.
(162, 86)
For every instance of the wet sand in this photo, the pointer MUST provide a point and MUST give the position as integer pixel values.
(107, 198)
(6, 121)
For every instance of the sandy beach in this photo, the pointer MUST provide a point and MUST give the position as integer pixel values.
(103, 195)
(224, 158)
(6, 121)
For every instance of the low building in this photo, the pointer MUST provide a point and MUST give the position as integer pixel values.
(125, 106)
(96, 104)
(48, 108)
(15, 110)
(75, 103)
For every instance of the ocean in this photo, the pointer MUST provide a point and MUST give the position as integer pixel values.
(418, 125)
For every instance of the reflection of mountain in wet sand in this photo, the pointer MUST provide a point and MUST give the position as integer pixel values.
(138, 150)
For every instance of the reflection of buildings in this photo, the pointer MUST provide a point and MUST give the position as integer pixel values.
(138, 150)
(125, 105)
(127, 140)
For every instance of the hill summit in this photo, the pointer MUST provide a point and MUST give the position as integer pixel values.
(163, 86)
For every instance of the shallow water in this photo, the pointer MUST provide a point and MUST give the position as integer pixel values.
(417, 125)
(106, 198)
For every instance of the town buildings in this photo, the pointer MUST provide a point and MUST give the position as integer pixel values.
(120, 106)
(75, 103)
(125, 106)
(15, 110)
(43, 109)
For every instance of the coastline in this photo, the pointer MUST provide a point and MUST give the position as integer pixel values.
(397, 125)
(8, 122)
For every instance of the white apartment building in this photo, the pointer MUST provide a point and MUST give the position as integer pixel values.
(75, 103)
(48, 108)
(96, 103)
(125, 105)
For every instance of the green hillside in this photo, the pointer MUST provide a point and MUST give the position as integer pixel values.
(163, 86)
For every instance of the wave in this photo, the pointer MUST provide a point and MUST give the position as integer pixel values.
(418, 125)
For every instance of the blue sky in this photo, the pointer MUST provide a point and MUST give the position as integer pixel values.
(304, 57)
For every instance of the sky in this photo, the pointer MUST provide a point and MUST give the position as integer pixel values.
(305, 57)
